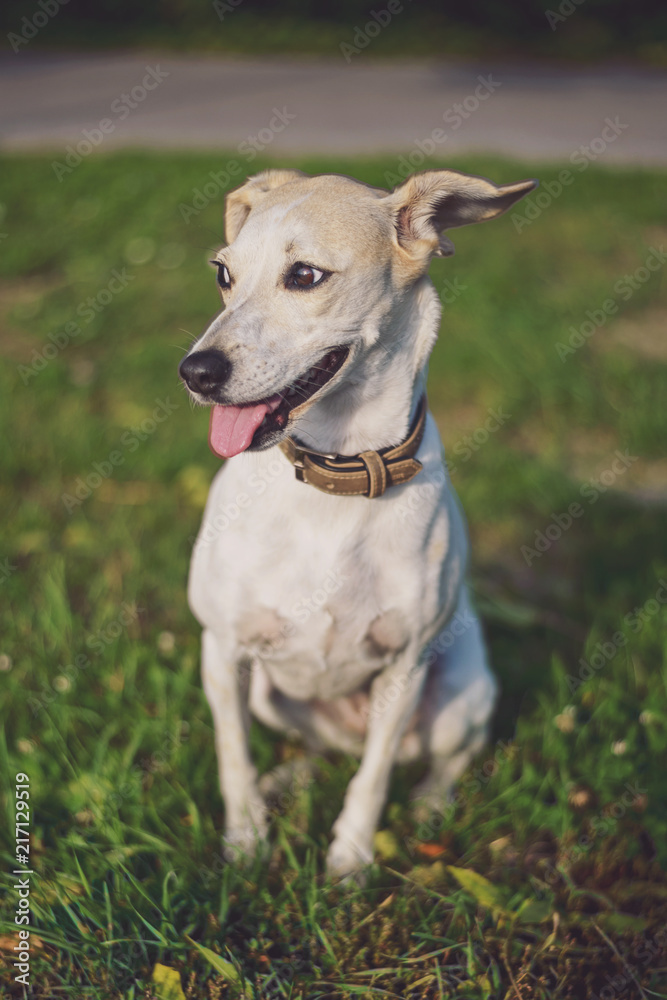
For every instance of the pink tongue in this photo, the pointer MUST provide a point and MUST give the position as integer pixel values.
(232, 428)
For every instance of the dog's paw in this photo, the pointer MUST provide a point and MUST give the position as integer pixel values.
(348, 861)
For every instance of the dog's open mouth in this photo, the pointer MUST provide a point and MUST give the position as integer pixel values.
(234, 429)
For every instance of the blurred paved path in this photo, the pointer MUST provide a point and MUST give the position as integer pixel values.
(208, 102)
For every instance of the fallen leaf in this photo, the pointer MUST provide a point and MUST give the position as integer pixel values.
(428, 875)
(480, 888)
(386, 845)
(167, 983)
(430, 850)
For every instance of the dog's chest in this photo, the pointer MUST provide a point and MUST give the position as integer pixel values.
(324, 592)
(325, 633)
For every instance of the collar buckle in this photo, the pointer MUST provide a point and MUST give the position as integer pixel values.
(299, 467)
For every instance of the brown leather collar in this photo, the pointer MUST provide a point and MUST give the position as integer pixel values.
(368, 474)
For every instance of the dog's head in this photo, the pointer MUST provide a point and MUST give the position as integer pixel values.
(315, 269)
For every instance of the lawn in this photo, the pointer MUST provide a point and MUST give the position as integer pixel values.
(547, 876)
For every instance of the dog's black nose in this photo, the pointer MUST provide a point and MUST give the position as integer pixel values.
(205, 371)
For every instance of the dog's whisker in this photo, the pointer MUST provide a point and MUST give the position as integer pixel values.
(213, 250)
(297, 389)
(298, 392)
(307, 381)
(190, 334)
(218, 236)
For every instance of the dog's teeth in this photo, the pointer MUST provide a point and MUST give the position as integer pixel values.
(312, 373)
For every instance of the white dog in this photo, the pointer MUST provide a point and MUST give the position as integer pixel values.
(332, 552)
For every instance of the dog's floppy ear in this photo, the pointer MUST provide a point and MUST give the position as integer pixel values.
(239, 202)
(435, 200)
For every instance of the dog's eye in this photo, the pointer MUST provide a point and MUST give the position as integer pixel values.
(224, 279)
(302, 275)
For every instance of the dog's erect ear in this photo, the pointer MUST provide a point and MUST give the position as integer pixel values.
(435, 200)
(239, 202)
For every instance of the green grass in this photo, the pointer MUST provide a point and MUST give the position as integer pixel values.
(102, 705)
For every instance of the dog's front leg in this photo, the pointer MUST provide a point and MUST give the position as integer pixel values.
(226, 686)
(393, 699)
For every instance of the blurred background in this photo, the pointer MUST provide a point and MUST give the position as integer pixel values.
(122, 128)
(530, 28)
